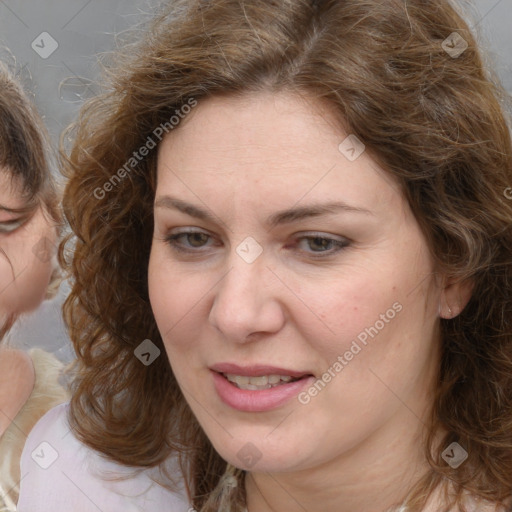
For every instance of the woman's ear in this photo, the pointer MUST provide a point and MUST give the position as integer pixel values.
(454, 297)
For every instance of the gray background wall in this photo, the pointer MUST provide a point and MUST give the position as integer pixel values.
(55, 44)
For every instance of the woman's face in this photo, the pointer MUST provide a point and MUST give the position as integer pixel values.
(27, 248)
(302, 261)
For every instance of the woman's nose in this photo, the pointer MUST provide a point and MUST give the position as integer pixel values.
(248, 300)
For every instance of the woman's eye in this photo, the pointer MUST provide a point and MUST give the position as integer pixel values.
(320, 245)
(316, 245)
(11, 225)
(194, 239)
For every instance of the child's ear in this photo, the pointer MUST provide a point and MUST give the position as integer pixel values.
(454, 297)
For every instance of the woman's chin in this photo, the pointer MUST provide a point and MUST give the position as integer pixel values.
(259, 457)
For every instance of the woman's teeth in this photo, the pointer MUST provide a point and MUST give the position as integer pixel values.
(258, 383)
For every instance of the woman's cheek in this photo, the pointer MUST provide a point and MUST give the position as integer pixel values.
(175, 296)
(163, 294)
(6, 282)
(29, 288)
(32, 253)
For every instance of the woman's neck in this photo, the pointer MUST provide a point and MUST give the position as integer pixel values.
(17, 379)
(372, 478)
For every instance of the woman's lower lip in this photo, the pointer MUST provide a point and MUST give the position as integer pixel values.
(257, 400)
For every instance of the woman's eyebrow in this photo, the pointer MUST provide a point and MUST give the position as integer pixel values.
(25, 209)
(283, 217)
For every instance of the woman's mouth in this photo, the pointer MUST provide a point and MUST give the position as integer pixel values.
(259, 383)
(257, 389)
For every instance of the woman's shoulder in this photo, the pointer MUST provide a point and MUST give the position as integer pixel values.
(61, 473)
(16, 383)
(467, 500)
(44, 392)
(48, 391)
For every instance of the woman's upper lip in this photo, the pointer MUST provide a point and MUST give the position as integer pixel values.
(256, 370)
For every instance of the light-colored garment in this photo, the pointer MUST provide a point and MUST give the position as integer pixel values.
(60, 474)
(47, 393)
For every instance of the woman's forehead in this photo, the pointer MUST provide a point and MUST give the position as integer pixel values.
(13, 193)
(269, 146)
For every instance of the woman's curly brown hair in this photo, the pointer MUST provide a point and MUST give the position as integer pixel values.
(434, 121)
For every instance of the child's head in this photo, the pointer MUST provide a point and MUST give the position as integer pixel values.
(29, 209)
